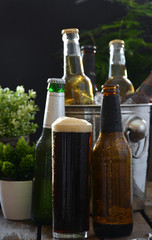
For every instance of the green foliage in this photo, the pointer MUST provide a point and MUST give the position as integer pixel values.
(8, 170)
(8, 153)
(1, 164)
(1, 151)
(26, 166)
(17, 163)
(17, 112)
(135, 29)
(22, 149)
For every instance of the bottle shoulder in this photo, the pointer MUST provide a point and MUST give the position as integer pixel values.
(121, 80)
(44, 140)
(125, 85)
(112, 143)
(80, 76)
(78, 81)
(143, 94)
(78, 90)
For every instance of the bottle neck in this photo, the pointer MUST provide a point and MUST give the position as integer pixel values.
(72, 55)
(88, 58)
(54, 108)
(146, 86)
(111, 114)
(117, 62)
(46, 132)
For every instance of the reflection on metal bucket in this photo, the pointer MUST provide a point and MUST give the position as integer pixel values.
(136, 125)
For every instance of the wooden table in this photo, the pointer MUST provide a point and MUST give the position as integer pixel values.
(25, 230)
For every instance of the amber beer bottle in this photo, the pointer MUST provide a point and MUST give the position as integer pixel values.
(117, 68)
(78, 87)
(143, 94)
(112, 189)
(42, 182)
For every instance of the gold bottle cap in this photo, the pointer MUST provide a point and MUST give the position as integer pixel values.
(70, 30)
(110, 90)
(56, 80)
(119, 41)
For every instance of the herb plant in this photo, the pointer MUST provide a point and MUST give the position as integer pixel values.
(17, 163)
(17, 112)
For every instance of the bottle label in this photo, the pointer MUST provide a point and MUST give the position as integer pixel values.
(54, 108)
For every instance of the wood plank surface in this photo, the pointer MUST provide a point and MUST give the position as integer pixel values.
(25, 230)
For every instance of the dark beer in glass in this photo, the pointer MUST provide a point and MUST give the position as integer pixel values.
(71, 155)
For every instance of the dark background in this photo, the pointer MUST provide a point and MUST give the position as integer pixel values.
(31, 43)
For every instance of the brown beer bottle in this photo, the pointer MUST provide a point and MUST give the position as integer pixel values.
(143, 94)
(78, 87)
(117, 68)
(112, 190)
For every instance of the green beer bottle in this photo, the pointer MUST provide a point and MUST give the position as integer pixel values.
(42, 182)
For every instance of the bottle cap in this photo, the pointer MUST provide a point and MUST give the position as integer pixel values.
(56, 80)
(89, 48)
(116, 41)
(110, 89)
(70, 30)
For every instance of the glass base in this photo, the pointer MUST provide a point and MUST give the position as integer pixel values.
(70, 235)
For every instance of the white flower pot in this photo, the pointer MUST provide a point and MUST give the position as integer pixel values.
(16, 198)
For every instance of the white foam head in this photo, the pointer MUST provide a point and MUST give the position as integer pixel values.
(69, 124)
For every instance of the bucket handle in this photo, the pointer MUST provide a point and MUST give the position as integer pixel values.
(144, 147)
(135, 130)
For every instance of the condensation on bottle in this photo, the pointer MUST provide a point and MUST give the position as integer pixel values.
(111, 170)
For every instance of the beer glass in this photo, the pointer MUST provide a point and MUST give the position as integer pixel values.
(71, 155)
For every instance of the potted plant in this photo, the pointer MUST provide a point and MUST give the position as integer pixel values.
(16, 173)
(17, 113)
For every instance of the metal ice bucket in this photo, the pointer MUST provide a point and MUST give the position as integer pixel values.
(136, 125)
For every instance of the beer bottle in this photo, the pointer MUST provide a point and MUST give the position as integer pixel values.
(42, 182)
(143, 94)
(117, 68)
(88, 58)
(112, 194)
(78, 87)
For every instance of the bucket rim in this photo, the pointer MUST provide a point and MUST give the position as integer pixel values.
(98, 106)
